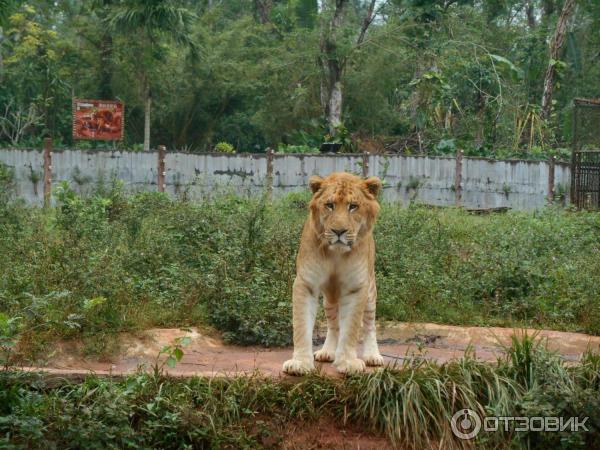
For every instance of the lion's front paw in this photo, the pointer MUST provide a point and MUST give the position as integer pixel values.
(298, 366)
(349, 366)
(325, 355)
(373, 359)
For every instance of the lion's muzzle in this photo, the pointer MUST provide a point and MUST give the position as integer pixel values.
(340, 238)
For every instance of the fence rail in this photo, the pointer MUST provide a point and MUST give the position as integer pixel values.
(443, 181)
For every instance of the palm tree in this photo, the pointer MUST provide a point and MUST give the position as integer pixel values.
(148, 22)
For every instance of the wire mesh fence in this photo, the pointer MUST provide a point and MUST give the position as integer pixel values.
(585, 163)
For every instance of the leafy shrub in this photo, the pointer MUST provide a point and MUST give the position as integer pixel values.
(445, 147)
(288, 148)
(551, 389)
(252, 304)
(108, 262)
(6, 183)
(9, 332)
(342, 136)
(224, 147)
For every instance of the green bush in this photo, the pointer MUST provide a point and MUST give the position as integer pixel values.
(411, 404)
(6, 183)
(288, 148)
(521, 267)
(224, 147)
(108, 262)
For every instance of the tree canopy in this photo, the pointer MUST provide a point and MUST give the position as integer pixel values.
(413, 76)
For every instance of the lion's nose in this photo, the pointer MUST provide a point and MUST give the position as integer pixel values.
(339, 232)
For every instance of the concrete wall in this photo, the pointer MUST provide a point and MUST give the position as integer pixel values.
(28, 165)
(291, 172)
(421, 179)
(202, 175)
(486, 183)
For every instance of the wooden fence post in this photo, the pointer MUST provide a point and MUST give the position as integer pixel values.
(269, 179)
(47, 171)
(161, 168)
(365, 165)
(551, 168)
(458, 178)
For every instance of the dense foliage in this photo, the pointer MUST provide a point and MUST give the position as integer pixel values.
(411, 404)
(108, 262)
(426, 75)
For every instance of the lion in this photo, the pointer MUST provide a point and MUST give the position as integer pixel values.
(336, 259)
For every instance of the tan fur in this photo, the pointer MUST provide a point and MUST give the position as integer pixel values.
(339, 265)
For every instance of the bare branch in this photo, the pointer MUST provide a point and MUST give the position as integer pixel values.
(14, 123)
(366, 22)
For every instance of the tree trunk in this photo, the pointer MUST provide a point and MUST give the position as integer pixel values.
(106, 49)
(332, 65)
(530, 11)
(331, 95)
(366, 22)
(335, 107)
(548, 7)
(147, 102)
(480, 131)
(262, 10)
(423, 64)
(555, 47)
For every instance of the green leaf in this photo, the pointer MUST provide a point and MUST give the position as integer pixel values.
(178, 353)
(186, 340)
(171, 362)
(507, 63)
(93, 302)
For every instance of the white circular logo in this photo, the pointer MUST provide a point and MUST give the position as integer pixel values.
(465, 424)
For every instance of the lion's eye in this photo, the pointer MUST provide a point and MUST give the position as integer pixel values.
(352, 207)
(329, 205)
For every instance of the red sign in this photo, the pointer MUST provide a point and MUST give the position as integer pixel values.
(98, 119)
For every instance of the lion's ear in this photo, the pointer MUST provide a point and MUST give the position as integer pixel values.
(373, 185)
(315, 183)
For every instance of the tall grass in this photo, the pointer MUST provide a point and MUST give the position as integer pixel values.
(108, 262)
(411, 404)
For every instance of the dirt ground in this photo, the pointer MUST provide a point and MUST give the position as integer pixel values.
(327, 434)
(208, 355)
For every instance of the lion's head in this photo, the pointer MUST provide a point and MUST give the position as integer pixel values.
(343, 208)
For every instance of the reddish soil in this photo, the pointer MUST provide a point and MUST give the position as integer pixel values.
(327, 434)
(208, 355)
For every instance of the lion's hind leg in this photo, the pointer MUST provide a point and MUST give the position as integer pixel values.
(327, 353)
